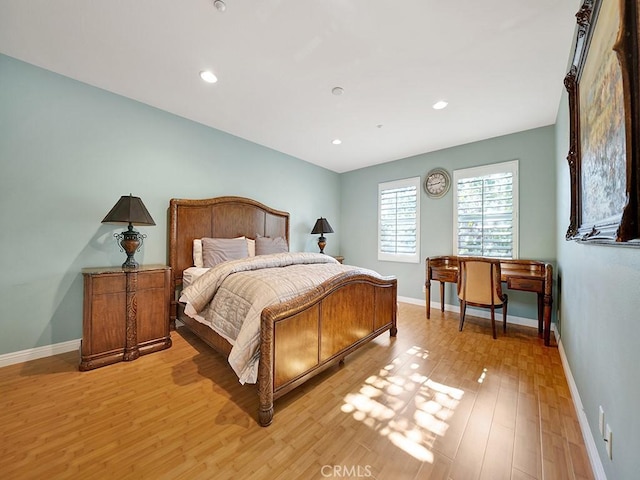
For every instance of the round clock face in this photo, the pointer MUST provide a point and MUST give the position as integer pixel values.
(437, 183)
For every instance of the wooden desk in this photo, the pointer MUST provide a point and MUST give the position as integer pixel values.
(524, 275)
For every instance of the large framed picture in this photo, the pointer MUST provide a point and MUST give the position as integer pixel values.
(603, 84)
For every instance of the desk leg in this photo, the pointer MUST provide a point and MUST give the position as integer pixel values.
(442, 297)
(540, 313)
(427, 291)
(547, 319)
(548, 301)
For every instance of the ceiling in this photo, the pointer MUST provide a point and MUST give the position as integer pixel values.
(499, 64)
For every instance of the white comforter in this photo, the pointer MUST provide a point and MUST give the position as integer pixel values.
(231, 296)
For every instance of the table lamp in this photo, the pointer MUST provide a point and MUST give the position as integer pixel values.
(131, 210)
(322, 226)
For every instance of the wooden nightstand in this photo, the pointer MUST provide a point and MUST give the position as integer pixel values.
(126, 314)
(339, 258)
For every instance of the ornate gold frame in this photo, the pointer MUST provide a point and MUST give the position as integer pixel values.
(622, 227)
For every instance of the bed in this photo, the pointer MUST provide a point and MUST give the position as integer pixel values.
(300, 337)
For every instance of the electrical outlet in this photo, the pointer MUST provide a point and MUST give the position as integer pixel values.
(601, 421)
(608, 441)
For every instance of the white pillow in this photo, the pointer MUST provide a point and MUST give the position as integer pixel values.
(251, 246)
(197, 251)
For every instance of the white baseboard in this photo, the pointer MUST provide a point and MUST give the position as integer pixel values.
(38, 352)
(590, 443)
(413, 301)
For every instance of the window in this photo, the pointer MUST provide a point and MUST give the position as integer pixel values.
(485, 213)
(399, 220)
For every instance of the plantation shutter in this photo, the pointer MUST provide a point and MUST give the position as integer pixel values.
(486, 215)
(398, 237)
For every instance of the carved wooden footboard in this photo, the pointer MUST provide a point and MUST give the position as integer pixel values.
(304, 336)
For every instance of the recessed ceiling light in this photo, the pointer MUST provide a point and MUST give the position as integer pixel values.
(439, 105)
(336, 141)
(220, 5)
(208, 76)
(337, 90)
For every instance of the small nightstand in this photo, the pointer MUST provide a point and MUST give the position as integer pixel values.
(339, 258)
(126, 314)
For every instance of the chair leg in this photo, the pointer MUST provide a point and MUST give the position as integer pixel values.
(463, 309)
(504, 319)
(493, 320)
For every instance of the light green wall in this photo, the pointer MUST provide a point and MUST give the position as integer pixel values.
(535, 151)
(68, 151)
(599, 321)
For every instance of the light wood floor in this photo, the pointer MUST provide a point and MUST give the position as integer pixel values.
(433, 403)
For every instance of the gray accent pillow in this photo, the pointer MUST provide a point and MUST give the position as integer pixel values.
(267, 245)
(218, 250)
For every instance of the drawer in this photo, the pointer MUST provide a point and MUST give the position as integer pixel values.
(444, 275)
(526, 284)
(104, 284)
(153, 279)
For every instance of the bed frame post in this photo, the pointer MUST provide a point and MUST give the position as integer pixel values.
(265, 371)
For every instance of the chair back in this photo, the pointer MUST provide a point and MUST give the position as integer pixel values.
(479, 281)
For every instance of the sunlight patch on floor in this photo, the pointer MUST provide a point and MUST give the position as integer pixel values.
(404, 405)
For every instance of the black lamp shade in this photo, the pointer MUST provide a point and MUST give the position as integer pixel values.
(129, 209)
(322, 226)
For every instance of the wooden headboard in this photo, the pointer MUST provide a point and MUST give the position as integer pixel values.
(221, 217)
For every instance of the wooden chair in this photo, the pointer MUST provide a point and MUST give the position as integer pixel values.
(479, 285)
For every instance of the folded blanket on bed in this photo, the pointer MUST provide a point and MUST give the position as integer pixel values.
(231, 297)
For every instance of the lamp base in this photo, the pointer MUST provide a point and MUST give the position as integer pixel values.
(130, 263)
(322, 242)
(130, 242)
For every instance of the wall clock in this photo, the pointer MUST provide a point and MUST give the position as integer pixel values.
(437, 183)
